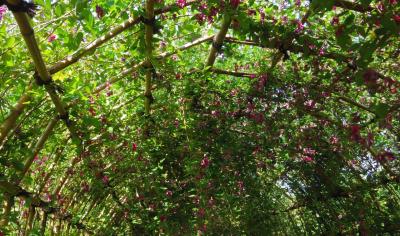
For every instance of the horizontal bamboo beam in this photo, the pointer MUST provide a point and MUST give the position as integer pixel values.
(112, 33)
(232, 73)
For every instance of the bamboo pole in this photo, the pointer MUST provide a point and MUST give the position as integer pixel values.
(29, 221)
(51, 169)
(43, 224)
(12, 118)
(352, 6)
(149, 24)
(218, 40)
(16, 191)
(8, 203)
(33, 48)
(39, 145)
(112, 33)
(232, 73)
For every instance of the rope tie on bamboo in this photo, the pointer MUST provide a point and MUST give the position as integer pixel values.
(150, 97)
(149, 22)
(40, 81)
(65, 118)
(24, 6)
(217, 46)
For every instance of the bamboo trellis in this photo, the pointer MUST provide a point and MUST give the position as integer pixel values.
(44, 73)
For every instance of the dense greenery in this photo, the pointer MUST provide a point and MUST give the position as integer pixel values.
(215, 117)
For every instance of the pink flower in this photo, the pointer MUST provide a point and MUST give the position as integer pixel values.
(393, 2)
(298, 3)
(134, 147)
(205, 162)
(215, 113)
(201, 212)
(334, 140)
(3, 10)
(51, 38)
(99, 11)
(307, 159)
(262, 16)
(396, 18)
(240, 185)
(310, 104)
(235, 3)
(196, 200)
(335, 20)
(163, 218)
(321, 51)
(386, 156)
(181, 3)
(251, 12)
(85, 187)
(309, 151)
(355, 133)
(284, 20)
(105, 179)
(168, 193)
(381, 7)
(211, 202)
(152, 207)
(203, 228)
(203, 6)
(200, 18)
(300, 26)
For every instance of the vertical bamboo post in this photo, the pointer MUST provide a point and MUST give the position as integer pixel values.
(38, 147)
(43, 223)
(8, 203)
(149, 24)
(219, 39)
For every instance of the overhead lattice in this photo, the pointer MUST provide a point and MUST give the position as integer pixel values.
(195, 117)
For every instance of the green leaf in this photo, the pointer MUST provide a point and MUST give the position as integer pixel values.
(381, 110)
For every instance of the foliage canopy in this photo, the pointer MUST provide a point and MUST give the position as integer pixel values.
(220, 117)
